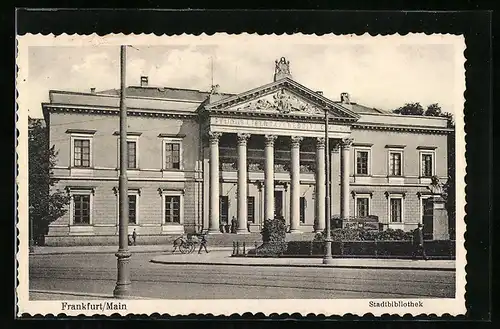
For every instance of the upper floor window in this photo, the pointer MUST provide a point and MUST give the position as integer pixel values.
(362, 162)
(81, 147)
(395, 163)
(81, 153)
(427, 164)
(172, 155)
(132, 154)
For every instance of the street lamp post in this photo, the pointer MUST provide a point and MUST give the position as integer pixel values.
(327, 259)
(32, 234)
(123, 284)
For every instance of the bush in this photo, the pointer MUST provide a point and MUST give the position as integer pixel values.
(273, 238)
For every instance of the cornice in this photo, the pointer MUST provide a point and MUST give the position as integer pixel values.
(115, 111)
(287, 116)
(412, 129)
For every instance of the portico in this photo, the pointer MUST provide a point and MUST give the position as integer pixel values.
(271, 142)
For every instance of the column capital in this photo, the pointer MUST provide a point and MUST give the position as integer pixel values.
(296, 140)
(270, 139)
(243, 138)
(214, 137)
(320, 142)
(346, 143)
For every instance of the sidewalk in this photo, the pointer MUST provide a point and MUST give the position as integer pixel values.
(109, 249)
(224, 258)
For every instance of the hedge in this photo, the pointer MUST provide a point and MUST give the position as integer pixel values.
(401, 248)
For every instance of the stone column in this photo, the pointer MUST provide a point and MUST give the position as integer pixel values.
(334, 179)
(295, 185)
(214, 182)
(269, 178)
(242, 183)
(344, 179)
(320, 185)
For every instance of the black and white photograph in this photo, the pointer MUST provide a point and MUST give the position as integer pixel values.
(241, 173)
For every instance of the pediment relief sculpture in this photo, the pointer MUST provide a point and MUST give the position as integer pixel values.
(282, 102)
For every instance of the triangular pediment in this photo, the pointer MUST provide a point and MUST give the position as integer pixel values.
(284, 97)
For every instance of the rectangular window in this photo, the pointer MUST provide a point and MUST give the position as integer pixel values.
(302, 209)
(251, 209)
(396, 210)
(132, 154)
(81, 209)
(427, 165)
(362, 162)
(172, 156)
(172, 209)
(132, 209)
(362, 207)
(395, 164)
(81, 153)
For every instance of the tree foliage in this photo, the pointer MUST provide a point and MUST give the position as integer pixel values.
(45, 203)
(410, 109)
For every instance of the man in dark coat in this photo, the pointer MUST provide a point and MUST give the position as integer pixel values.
(203, 244)
(418, 243)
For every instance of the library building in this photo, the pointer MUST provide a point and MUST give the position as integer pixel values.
(208, 161)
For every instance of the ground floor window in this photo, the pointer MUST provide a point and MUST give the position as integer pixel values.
(396, 210)
(251, 209)
(302, 209)
(81, 209)
(172, 209)
(132, 209)
(362, 207)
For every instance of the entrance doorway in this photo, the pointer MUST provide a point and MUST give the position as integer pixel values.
(278, 204)
(224, 214)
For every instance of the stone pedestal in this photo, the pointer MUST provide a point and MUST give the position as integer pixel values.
(435, 219)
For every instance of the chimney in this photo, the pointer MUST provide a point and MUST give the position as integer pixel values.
(344, 98)
(319, 92)
(92, 90)
(144, 81)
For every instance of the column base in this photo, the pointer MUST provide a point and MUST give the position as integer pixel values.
(328, 260)
(213, 231)
(295, 231)
(319, 230)
(242, 231)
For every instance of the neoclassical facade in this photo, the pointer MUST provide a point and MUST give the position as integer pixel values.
(200, 160)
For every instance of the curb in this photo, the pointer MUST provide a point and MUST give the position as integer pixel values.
(308, 265)
(80, 294)
(82, 252)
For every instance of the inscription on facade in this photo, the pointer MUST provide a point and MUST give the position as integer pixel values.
(265, 124)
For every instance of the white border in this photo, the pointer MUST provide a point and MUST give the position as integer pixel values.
(438, 306)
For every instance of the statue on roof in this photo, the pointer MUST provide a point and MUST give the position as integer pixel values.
(283, 66)
(281, 69)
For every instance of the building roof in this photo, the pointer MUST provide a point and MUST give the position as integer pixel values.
(162, 92)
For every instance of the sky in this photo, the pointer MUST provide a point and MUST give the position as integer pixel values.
(383, 75)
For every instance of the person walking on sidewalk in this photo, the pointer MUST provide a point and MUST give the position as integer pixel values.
(418, 243)
(134, 237)
(203, 244)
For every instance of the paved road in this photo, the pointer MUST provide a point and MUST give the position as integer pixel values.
(96, 273)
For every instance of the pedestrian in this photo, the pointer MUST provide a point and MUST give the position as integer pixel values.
(203, 244)
(233, 225)
(418, 243)
(134, 236)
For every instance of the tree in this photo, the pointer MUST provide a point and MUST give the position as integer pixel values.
(46, 204)
(410, 109)
(433, 110)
